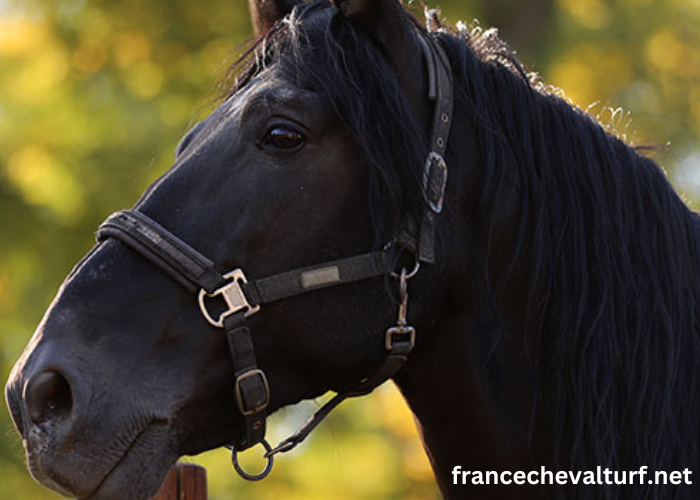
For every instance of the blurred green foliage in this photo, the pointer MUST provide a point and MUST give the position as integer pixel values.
(95, 95)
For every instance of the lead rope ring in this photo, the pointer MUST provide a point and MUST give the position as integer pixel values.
(246, 475)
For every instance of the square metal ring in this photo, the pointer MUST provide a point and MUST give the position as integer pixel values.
(233, 295)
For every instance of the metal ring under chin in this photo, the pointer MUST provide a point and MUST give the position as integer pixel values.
(408, 275)
(253, 477)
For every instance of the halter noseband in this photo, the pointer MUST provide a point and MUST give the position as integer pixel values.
(243, 298)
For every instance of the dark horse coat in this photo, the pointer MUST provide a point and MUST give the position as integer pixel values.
(556, 329)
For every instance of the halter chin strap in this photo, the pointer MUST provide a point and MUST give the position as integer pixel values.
(243, 298)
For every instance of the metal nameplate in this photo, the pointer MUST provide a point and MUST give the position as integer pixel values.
(320, 277)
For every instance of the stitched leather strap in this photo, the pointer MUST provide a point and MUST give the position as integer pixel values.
(307, 279)
(435, 171)
(251, 390)
(194, 271)
(182, 262)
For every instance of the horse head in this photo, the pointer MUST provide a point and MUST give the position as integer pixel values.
(297, 166)
(553, 289)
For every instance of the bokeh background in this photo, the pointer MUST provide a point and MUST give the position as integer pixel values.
(95, 94)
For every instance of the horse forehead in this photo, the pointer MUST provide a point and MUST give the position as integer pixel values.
(226, 116)
(269, 88)
(273, 86)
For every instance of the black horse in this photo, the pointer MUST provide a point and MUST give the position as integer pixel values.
(556, 307)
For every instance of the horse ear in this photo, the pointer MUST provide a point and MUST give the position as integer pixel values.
(394, 29)
(384, 20)
(350, 8)
(265, 13)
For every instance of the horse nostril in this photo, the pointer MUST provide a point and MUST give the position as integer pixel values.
(48, 397)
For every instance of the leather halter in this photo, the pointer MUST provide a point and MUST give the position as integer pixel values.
(243, 298)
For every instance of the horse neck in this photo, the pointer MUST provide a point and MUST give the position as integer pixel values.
(467, 381)
(470, 401)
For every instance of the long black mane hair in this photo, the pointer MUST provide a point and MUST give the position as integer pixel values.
(614, 249)
(617, 347)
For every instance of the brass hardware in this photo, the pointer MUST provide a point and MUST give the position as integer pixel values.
(239, 396)
(402, 327)
(400, 330)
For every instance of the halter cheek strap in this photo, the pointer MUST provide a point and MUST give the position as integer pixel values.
(441, 93)
(243, 298)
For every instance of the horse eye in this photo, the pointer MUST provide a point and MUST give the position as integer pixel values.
(283, 139)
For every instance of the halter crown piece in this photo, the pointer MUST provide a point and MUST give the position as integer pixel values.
(243, 298)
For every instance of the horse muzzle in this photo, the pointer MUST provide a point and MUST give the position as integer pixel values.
(76, 445)
(45, 407)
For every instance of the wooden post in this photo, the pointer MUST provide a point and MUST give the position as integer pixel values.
(184, 482)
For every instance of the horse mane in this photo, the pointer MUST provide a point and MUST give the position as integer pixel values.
(614, 248)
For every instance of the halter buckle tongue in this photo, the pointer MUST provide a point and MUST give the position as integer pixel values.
(233, 296)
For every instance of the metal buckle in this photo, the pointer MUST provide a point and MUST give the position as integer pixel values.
(239, 396)
(437, 160)
(234, 297)
(400, 330)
